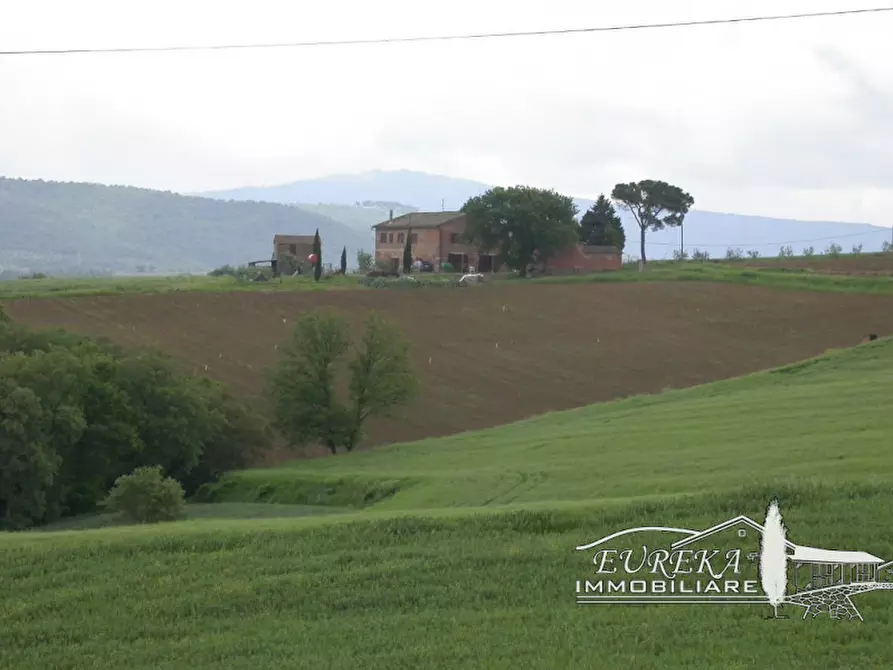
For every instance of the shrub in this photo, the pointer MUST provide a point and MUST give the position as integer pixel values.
(146, 496)
(418, 282)
(698, 255)
(223, 271)
(734, 254)
(240, 272)
(365, 261)
(833, 249)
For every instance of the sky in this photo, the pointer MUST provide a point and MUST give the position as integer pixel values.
(789, 119)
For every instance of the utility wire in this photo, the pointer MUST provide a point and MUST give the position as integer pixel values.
(444, 38)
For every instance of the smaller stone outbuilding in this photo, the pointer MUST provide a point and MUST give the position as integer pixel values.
(292, 248)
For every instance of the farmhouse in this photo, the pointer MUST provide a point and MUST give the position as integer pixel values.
(437, 239)
(297, 246)
(812, 568)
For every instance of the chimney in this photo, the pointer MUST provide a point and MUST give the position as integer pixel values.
(391, 215)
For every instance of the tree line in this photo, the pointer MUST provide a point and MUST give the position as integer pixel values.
(78, 414)
(527, 226)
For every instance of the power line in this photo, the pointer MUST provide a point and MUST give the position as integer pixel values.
(444, 38)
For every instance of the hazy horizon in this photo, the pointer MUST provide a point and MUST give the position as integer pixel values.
(788, 119)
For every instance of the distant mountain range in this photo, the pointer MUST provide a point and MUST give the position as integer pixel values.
(713, 232)
(74, 228)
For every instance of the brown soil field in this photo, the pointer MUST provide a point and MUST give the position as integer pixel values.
(493, 354)
(866, 265)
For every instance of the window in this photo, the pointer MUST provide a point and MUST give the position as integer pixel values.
(862, 573)
(383, 237)
(400, 238)
(413, 238)
(390, 238)
(742, 532)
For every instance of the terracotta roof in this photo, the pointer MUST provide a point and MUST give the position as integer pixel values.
(419, 220)
(293, 239)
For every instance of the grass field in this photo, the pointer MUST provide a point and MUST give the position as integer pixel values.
(51, 287)
(851, 273)
(468, 558)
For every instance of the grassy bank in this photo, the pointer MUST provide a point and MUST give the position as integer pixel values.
(822, 419)
(854, 273)
(52, 287)
(471, 561)
(734, 273)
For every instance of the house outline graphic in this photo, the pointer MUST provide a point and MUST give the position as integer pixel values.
(833, 575)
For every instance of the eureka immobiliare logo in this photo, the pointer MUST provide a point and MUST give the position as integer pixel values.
(737, 562)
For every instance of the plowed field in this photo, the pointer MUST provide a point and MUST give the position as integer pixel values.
(498, 353)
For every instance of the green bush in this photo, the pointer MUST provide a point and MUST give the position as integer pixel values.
(419, 281)
(102, 411)
(146, 496)
(365, 261)
(245, 272)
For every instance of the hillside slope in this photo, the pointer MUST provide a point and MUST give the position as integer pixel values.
(499, 352)
(827, 424)
(495, 587)
(59, 228)
(710, 231)
(358, 217)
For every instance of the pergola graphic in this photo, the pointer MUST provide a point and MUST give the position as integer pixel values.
(833, 578)
(823, 580)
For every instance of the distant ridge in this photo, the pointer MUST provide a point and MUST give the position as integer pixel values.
(713, 232)
(75, 228)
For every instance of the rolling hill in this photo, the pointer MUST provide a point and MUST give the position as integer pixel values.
(499, 352)
(74, 228)
(472, 561)
(360, 217)
(711, 231)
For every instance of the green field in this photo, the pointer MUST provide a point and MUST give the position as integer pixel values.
(734, 272)
(773, 274)
(459, 551)
(61, 287)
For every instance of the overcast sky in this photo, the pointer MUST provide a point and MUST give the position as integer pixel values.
(791, 118)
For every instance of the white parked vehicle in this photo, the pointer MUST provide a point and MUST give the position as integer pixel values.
(472, 278)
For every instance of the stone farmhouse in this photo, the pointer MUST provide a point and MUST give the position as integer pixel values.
(298, 246)
(437, 239)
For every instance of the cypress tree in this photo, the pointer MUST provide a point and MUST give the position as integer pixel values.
(600, 225)
(317, 249)
(407, 253)
(344, 261)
